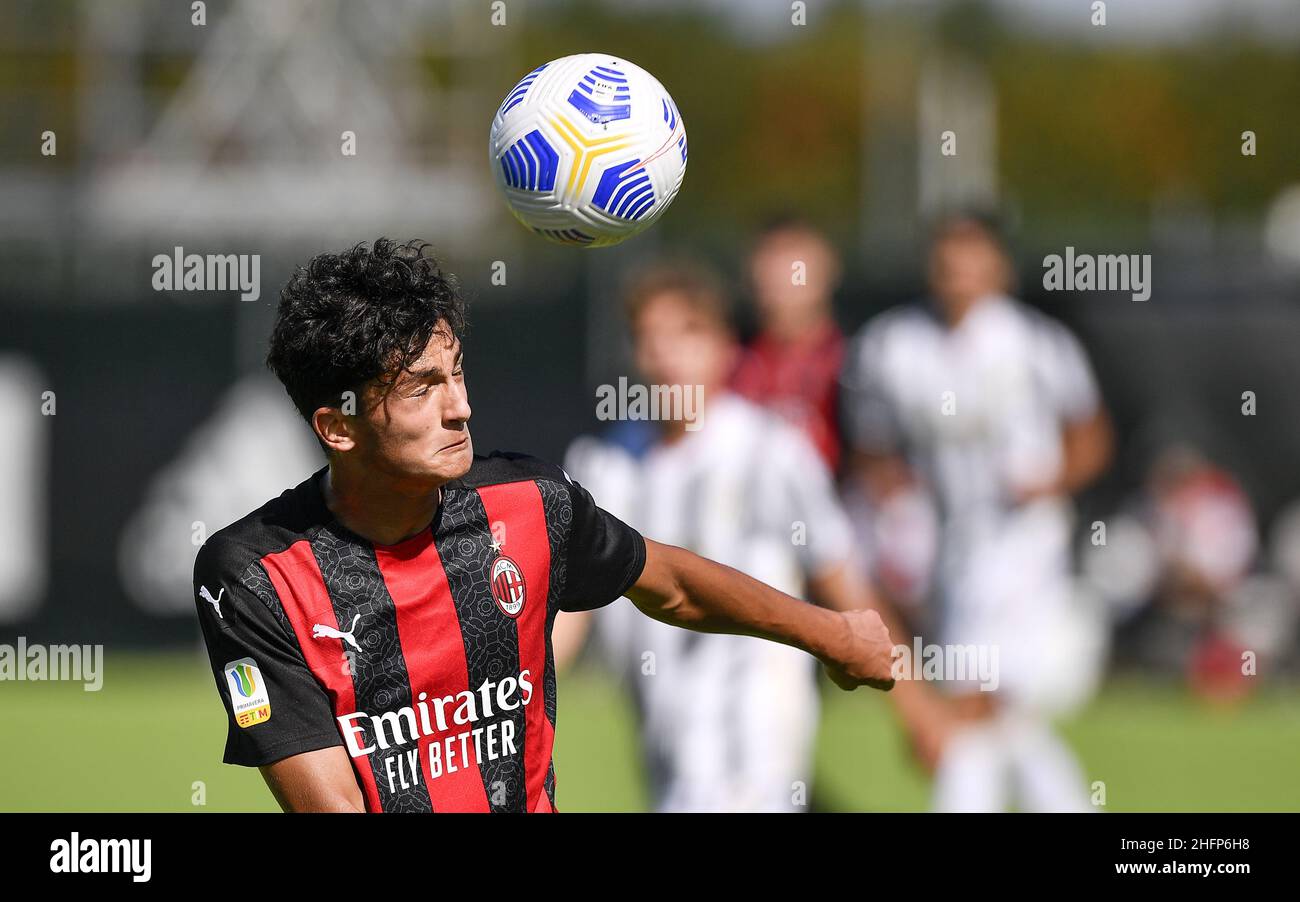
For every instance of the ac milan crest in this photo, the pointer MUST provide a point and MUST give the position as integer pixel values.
(508, 586)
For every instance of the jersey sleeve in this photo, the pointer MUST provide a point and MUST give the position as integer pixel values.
(275, 708)
(1068, 377)
(605, 555)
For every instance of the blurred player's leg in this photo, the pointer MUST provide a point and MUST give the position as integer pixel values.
(1046, 775)
(972, 774)
(777, 727)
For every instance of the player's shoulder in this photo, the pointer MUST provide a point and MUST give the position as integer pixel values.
(293, 515)
(893, 334)
(503, 467)
(741, 422)
(1046, 331)
(913, 317)
(732, 412)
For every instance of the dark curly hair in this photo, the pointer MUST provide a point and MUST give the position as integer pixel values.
(364, 314)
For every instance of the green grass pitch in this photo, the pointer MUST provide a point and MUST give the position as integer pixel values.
(151, 740)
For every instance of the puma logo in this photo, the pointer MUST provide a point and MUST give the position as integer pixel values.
(215, 602)
(321, 631)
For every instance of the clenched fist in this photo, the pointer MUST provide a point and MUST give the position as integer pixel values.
(866, 654)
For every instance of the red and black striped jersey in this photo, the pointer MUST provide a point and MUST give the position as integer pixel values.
(430, 660)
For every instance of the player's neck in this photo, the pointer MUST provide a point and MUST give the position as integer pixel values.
(800, 330)
(377, 509)
(955, 311)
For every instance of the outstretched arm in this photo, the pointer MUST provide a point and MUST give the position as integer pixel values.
(926, 717)
(686, 590)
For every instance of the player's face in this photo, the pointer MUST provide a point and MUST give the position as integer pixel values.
(419, 429)
(677, 344)
(964, 269)
(794, 274)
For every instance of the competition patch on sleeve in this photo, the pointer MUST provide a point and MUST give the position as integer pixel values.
(248, 697)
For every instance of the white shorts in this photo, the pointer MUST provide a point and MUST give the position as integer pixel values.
(1012, 594)
(732, 730)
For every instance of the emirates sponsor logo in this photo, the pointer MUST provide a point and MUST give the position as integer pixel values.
(451, 722)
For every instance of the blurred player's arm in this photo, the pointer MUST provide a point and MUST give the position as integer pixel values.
(1087, 437)
(683, 589)
(1088, 444)
(924, 715)
(568, 635)
(873, 430)
(320, 781)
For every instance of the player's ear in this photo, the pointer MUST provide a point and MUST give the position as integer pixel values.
(333, 429)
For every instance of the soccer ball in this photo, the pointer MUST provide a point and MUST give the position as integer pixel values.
(588, 149)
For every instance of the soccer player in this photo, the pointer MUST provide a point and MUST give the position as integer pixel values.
(994, 406)
(380, 633)
(727, 723)
(793, 364)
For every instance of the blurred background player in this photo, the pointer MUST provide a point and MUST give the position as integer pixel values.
(726, 723)
(1188, 598)
(792, 366)
(994, 408)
